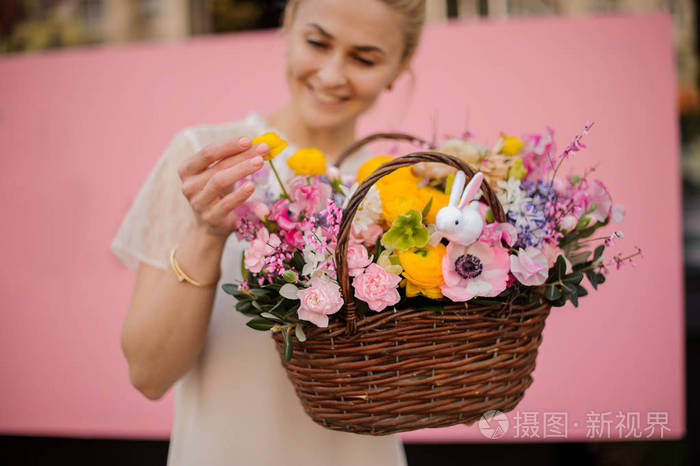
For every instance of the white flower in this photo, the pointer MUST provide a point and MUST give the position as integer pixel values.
(369, 212)
(312, 258)
(510, 195)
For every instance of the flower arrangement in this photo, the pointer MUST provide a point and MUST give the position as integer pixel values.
(421, 237)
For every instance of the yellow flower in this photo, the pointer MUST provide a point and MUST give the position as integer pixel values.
(511, 145)
(440, 200)
(517, 170)
(274, 142)
(402, 175)
(422, 269)
(308, 161)
(397, 199)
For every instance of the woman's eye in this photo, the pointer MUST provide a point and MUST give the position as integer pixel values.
(316, 43)
(364, 61)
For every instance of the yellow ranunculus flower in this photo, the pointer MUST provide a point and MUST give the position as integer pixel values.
(308, 161)
(397, 176)
(399, 198)
(511, 146)
(274, 142)
(422, 269)
(440, 200)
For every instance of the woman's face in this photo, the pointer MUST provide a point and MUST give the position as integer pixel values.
(341, 54)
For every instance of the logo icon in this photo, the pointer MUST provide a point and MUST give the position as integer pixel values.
(493, 424)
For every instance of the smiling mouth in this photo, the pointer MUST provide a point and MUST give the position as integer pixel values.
(326, 99)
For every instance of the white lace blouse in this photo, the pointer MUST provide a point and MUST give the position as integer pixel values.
(236, 405)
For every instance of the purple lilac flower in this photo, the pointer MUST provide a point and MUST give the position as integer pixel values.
(532, 219)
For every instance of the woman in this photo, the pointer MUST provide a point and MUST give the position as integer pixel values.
(233, 402)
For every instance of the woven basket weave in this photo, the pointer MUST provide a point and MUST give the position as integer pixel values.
(405, 369)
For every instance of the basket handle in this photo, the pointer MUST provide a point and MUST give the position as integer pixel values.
(349, 311)
(373, 137)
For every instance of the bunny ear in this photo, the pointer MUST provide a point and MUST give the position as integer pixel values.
(457, 186)
(472, 189)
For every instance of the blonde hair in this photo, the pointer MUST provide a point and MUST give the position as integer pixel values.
(412, 12)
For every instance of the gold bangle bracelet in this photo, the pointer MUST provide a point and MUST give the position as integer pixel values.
(182, 276)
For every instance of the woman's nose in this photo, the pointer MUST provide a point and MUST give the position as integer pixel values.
(331, 73)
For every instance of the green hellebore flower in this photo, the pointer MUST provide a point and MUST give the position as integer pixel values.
(406, 232)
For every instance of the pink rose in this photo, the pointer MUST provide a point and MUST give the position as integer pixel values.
(318, 301)
(263, 245)
(529, 266)
(357, 259)
(368, 236)
(309, 194)
(377, 287)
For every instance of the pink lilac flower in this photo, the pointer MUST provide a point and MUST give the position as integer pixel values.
(377, 287)
(320, 300)
(475, 270)
(263, 245)
(529, 266)
(600, 196)
(309, 194)
(537, 150)
(357, 259)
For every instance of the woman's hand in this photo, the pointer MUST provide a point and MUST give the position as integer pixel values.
(208, 178)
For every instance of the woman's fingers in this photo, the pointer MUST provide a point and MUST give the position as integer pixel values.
(220, 183)
(221, 213)
(196, 183)
(212, 153)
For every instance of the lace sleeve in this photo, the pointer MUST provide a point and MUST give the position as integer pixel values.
(160, 213)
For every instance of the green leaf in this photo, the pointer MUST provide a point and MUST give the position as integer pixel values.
(581, 291)
(426, 209)
(560, 267)
(287, 344)
(230, 288)
(259, 292)
(568, 288)
(406, 232)
(574, 277)
(579, 258)
(574, 299)
(598, 252)
(592, 278)
(244, 306)
(552, 293)
(260, 323)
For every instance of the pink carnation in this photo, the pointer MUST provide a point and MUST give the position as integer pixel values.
(318, 301)
(529, 266)
(263, 245)
(357, 259)
(309, 194)
(377, 287)
(475, 270)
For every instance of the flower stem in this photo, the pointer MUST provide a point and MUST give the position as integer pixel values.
(279, 180)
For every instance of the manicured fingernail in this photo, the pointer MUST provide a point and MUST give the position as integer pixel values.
(244, 142)
(263, 148)
(257, 161)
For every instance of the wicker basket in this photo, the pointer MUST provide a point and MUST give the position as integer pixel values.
(405, 369)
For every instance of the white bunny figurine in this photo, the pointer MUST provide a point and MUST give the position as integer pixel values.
(458, 221)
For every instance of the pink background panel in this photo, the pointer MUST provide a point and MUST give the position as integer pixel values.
(82, 128)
